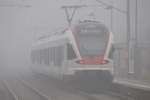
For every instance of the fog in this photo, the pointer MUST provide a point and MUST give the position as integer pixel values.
(20, 25)
(22, 21)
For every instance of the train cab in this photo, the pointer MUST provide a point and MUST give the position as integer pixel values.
(80, 51)
(93, 43)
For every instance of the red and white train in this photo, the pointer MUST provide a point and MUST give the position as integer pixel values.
(82, 48)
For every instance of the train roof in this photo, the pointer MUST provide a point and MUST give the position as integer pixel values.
(44, 37)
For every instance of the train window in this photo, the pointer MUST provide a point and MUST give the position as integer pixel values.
(43, 56)
(59, 56)
(46, 56)
(50, 55)
(40, 56)
(70, 52)
(86, 47)
(89, 34)
(53, 54)
(56, 56)
(33, 57)
(36, 56)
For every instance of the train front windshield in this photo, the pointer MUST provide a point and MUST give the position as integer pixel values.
(92, 40)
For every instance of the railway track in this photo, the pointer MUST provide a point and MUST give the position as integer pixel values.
(119, 95)
(6, 93)
(105, 95)
(21, 90)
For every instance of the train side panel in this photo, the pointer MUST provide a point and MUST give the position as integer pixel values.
(50, 60)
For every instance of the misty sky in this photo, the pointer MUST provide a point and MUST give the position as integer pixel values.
(21, 25)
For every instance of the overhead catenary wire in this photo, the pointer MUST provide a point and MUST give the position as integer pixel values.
(111, 6)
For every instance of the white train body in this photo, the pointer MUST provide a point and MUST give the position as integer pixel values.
(74, 50)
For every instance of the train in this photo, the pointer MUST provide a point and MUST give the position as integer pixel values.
(82, 50)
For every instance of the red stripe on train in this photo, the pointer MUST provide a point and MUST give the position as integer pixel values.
(93, 60)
